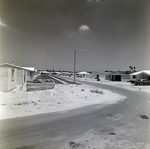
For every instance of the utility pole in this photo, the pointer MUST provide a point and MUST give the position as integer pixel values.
(74, 66)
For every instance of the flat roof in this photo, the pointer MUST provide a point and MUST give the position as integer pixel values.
(18, 67)
(30, 68)
(10, 65)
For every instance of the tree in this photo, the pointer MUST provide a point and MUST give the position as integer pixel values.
(131, 68)
(134, 69)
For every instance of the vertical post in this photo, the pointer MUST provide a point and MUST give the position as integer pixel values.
(74, 66)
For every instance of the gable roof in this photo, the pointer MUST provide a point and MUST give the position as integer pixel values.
(143, 71)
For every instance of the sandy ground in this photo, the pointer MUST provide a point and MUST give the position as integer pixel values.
(125, 85)
(18, 102)
(121, 137)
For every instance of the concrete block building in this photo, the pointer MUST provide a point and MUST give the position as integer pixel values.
(12, 75)
(144, 74)
(116, 76)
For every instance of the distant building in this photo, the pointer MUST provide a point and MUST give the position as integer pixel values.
(117, 76)
(66, 73)
(144, 74)
(83, 74)
(56, 73)
(12, 75)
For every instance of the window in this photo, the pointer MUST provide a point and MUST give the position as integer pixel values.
(12, 74)
(133, 77)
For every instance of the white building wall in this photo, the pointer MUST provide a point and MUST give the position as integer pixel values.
(31, 75)
(3, 79)
(25, 75)
(125, 77)
(21, 78)
(139, 76)
(28, 76)
(12, 79)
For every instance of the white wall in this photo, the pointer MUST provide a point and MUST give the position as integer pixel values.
(139, 76)
(21, 76)
(3, 79)
(8, 83)
(125, 77)
(12, 83)
(31, 75)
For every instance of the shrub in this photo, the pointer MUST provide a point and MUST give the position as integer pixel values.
(97, 91)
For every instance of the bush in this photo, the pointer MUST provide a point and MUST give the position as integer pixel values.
(97, 91)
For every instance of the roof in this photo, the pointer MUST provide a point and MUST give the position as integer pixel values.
(143, 71)
(44, 71)
(17, 67)
(29, 68)
(10, 65)
(115, 73)
(83, 72)
(65, 72)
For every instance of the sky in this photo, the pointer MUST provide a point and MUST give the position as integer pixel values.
(106, 34)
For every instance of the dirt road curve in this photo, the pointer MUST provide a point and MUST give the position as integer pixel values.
(120, 126)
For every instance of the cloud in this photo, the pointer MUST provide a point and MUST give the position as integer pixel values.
(2, 23)
(84, 28)
(94, 1)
